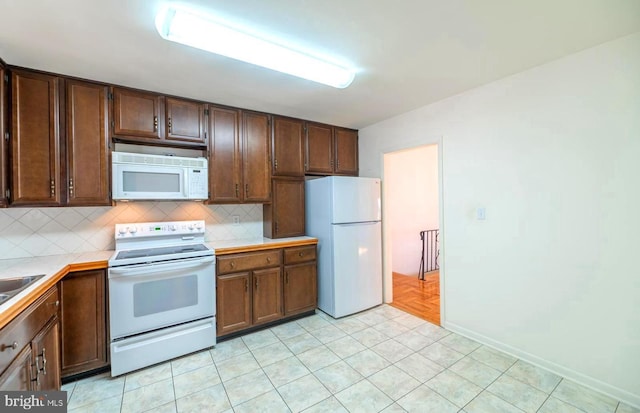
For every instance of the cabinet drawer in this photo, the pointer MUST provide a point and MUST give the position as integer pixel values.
(248, 261)
(299, 254)
(26, 325)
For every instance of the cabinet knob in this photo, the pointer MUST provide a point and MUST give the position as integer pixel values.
(301, 254)
(11, 346)
(268, 259)
(155, 123)
(169, 125)
(232, 264)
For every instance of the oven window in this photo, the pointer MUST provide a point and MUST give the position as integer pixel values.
(154, 297)
(150, 181)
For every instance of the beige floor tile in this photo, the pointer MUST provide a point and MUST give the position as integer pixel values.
(459, 343)
(211, 400)
(390, 312)
(423, 399)
(314, 322)
(345, 347)
(247, 387)
(270, 402)
(392, 350)
(317, 358)
(454, 388)
(414, 340)
(534, 376)
(476, 372)
(191, 362)
(391, 328)
(328, 334)
(69, 389)
(91, 391)
(260, 339)
(489, 403)
(493, 358)
(432, 331)
(553, 405)
(367, 362)
(148, 397)
(109, 404)
(271, 354)
(394, 382)
(165, 408)
(330, 405)
(441, 354)
(147, 376)
(394, 408)
(409, 321)
(518, 393)
(369, 337)
(363, 397)
(285, 371)
(228, 349)
(350, 325)
(371, 318)
(303, 342)
(584, 398)
(625, 408)
(195, 380)
(288, 330)
(237, 366)
(338, 376)
(421, 368)
(303, 392)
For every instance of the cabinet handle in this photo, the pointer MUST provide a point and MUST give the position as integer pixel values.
(12, 346)
(286, 277)
(71, 186)
(246, 190)
(44, 362)
(237, 191)
(37, 366)
(53, 188)
(276, 164)
(256, 280)
(169, 125)
(246, 286)
(155, 123)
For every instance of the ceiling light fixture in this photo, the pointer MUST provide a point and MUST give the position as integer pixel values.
(187, 27)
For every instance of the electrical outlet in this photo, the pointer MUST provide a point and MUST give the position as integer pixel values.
(236, 219)
(481, 214)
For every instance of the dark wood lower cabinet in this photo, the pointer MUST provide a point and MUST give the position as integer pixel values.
(233, 303)
(84, 322)
(300, 288)
(18, 375)
(46, 357)
(267, 295)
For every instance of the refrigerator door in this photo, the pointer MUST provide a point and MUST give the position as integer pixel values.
(357, 267)
(355, 199)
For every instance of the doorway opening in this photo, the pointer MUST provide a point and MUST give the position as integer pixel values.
(411, 195)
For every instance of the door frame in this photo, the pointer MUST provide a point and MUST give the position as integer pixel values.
(387, 273)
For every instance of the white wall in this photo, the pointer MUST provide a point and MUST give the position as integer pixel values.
(553, 154)
(411, 203)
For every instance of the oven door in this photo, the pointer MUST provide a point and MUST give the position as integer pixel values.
(149, 182)
(150, 296)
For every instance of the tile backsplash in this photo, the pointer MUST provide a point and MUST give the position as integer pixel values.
(33, 232)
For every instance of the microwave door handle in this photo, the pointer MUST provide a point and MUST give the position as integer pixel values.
(146, 269)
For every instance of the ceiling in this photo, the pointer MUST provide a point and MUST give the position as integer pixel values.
(407, 53)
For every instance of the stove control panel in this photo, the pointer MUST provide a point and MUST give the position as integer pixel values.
(157, 229)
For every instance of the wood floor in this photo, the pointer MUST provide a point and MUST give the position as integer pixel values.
(417, 297)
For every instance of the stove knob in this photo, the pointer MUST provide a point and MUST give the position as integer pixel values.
(133, 230)
(172, 228)
(190, 227)
(199, 226)
(122, 231)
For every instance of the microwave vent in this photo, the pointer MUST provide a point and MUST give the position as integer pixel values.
(160, 160)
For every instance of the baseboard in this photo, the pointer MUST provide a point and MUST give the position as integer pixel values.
(587, 381)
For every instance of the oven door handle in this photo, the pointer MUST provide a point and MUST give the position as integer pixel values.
(145, 269)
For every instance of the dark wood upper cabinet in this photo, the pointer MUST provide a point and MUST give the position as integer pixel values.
(4, 133)
(185, 121)
(346, 151)
(35, 139)
(138, 114)
(287, 147)
(284, 217)
(225, 156)
(318, 145)
(87, 111)
(256, 166)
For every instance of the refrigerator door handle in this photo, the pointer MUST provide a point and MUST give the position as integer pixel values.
(349, 224)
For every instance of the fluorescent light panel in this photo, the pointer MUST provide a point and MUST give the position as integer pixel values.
(186, 27)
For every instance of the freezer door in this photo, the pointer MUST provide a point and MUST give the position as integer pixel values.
(355, 199)
(357, 267)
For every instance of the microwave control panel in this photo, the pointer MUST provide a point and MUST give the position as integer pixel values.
(198, 183)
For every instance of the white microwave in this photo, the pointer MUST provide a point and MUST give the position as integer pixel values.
(137, 176)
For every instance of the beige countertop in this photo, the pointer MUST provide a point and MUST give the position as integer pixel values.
(54, 267)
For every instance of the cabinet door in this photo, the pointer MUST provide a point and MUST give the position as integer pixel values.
(233, 300)
(4, 121)
(17, 376)
(284, 217)
(35, 139)
(346, 152)
(225, 156)
(319, 149)
(83, 321)
(46, 357)
(267, 295)
(87, 143)
(300, 288)
(137, 114)
(185, 121)
(288, 155)
(255, 151)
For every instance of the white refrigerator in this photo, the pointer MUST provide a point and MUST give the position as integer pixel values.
(344, 214)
